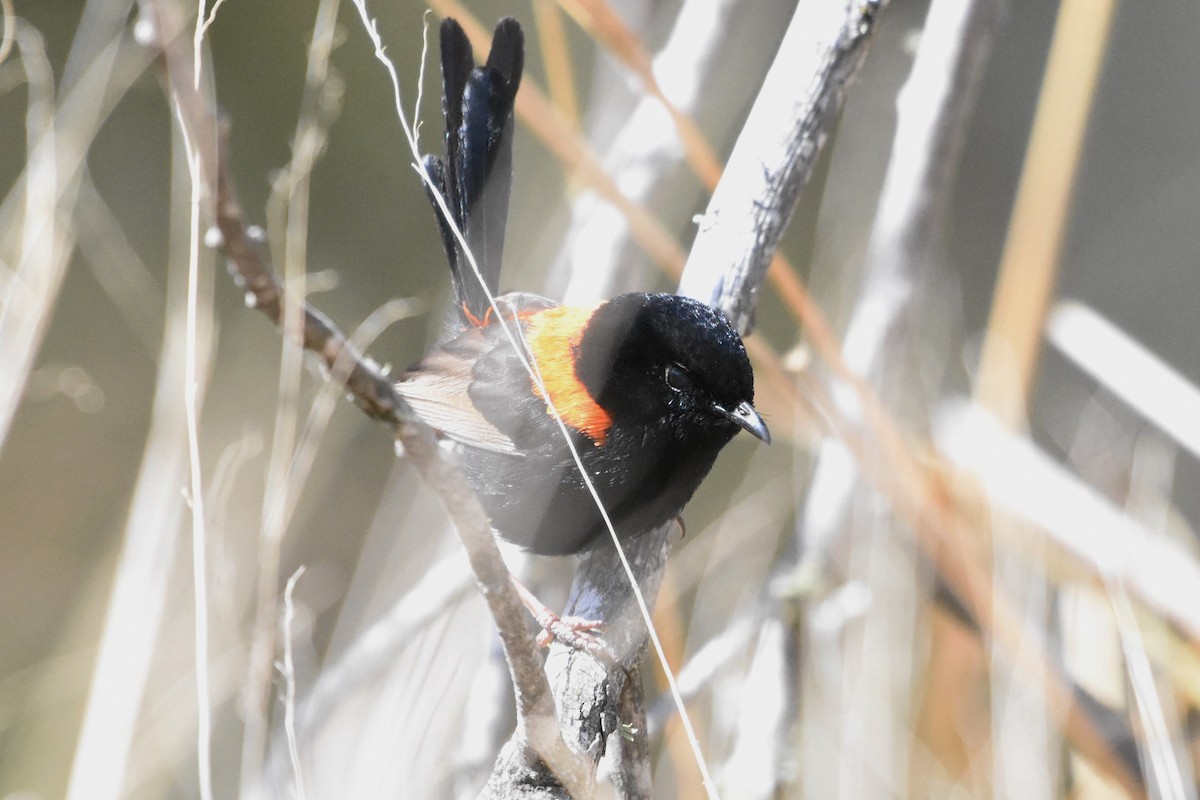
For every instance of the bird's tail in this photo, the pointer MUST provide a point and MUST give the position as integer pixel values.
(475, 175)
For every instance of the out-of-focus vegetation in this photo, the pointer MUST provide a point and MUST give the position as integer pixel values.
(891, 695)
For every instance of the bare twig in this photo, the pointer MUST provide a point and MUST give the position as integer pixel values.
(191, 396)
(139, 590)
(373, 392)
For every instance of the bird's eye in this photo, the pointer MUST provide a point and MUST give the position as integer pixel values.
(678, 378)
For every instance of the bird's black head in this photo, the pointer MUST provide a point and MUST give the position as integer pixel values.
(656, 359)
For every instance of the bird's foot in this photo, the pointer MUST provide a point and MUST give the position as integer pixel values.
(576, 632)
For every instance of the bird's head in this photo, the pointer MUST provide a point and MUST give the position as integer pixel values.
(664, 359)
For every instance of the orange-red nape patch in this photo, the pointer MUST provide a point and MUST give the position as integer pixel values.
(553, 336)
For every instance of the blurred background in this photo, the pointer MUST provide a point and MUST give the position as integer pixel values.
(832, 669)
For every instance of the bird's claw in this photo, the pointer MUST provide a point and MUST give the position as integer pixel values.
(576, 633)
(572, 631)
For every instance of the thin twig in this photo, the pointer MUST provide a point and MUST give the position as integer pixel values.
(196, 495)
(374, 393)
(416, 116)
(190, 397)
(151, 531)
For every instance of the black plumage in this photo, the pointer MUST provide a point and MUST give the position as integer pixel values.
(475, 178)
(649, 387)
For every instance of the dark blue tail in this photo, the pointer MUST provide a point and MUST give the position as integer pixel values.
(476, 173)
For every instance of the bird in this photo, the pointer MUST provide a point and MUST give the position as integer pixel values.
(649, 387)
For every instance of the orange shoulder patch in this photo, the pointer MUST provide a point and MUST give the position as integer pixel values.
(553, 336)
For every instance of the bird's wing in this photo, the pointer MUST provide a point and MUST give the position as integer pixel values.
(439, 390)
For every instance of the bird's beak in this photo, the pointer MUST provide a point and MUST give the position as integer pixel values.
(746, 418)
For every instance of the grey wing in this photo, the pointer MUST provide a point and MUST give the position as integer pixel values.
(438, 387)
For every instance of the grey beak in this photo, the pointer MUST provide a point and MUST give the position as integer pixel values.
(746, 418)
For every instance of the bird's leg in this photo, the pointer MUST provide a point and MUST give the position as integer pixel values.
(574, 632)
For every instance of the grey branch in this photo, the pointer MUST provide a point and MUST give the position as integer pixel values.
(775, 154)
(631, 776)
(587, 691)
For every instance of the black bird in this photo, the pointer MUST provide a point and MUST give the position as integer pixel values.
(650, 387)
